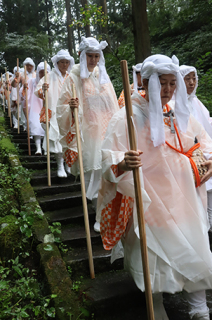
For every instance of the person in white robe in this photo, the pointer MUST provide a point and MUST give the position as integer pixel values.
(136, 86)
(14, 102)
(97, 104)
(20, 79)
(176, 218)
(35, 105)
(63, 64)
(201, 113)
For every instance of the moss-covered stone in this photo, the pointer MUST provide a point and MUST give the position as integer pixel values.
(7, 146)
(8, 202)
(10, 236)
(59, 282)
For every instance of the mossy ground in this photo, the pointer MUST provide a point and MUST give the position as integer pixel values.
(23, 228)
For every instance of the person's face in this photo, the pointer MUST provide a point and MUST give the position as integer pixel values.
(41, 73)
(29, 67)
(139, 79)
(63, 65)
(168, 85)
(92, 60)
(190, 82)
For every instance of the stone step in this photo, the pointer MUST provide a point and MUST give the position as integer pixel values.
(114, 295)
(73, 215)
(57, 188)
(60, 201)
(75, 235)
(38, 165)
(24, 146)
(77, 259)
(23, 140)
(34, 158)
(21, 136)
(40, 179)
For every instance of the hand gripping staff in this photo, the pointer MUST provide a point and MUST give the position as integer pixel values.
(138, 194)
(84, 201)
(18, 96)
(8, 97)
(47, 126)
(27, 113)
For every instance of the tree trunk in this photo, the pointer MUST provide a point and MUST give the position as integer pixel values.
(140, 30)
(77, 14)
(68, 22)
(48, 25)
(87, 26)
(103, 3)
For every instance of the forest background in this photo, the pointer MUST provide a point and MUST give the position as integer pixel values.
(134, 29)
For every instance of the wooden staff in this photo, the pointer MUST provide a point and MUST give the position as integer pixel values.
(47, 126)
(8, 97)
(3, 92)
(138, 193)
(84, 200)
(27, 113)
(18, 96)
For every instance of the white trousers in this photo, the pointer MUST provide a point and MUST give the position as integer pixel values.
(197, 303)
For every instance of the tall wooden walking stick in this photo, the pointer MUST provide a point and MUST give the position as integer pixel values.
(3, 92)
(84, 200)
(27, 113)
(138, 194)
(47, 126)
(8, 97)
(18, 97)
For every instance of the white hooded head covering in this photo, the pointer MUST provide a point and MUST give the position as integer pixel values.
(15, 70)
(91, 45)
(136, 68)
(184, 70)
(152, 68)
(29, 61)
(62, 54)
(39, 68)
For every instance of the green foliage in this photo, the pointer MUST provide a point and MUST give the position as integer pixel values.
(90, 15)
(8, 202)
(204, 81)
(113, 59)
(55, 229)
(30, 44)
(20, 294)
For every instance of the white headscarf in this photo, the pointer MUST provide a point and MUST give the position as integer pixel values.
(184, 70)
(29, 61)
(62, 54)
(152, 68)
(39, 68)
(15, 70)
(197, 109)
(91, 45)
(136, 68)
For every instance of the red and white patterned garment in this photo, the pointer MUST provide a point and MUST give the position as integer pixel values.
(121, 100)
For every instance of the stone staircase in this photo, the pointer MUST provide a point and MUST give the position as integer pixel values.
(112, 294)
